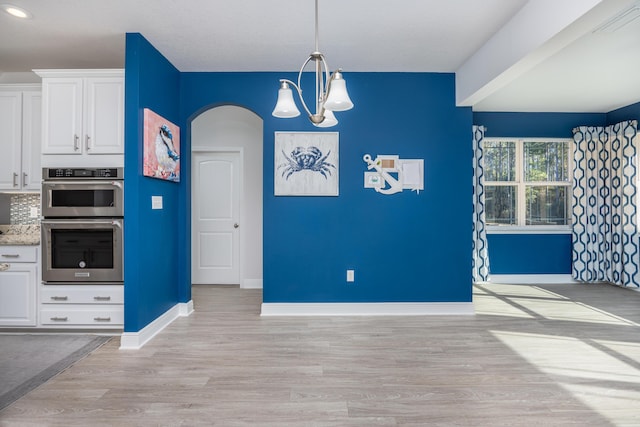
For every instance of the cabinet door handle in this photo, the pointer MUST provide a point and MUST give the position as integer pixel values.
(56, 298)
(59, 319)
(98, 298)
(15, 179)
(76, 146)
(102, 319)
(24, 179)
(10, 256)
(87, 141)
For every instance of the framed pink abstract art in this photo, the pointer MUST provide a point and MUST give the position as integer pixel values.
(161, 147)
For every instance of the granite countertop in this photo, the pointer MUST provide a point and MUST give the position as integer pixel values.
(20, 234)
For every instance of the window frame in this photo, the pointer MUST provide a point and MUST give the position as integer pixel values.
(521, 185)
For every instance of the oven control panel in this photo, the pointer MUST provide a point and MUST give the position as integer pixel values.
(82, 173)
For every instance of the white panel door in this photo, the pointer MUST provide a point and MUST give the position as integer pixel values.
(215, 204)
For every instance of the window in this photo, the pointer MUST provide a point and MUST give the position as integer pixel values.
(527, 182)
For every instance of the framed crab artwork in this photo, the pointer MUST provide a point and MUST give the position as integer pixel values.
(306, 164)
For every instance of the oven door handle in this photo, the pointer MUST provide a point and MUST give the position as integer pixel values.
(115, 223)
(92, 183)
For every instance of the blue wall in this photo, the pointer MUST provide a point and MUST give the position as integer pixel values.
(529, 253)
(535, 253)
(154, 279)
(535, 125)
(630, 112)
(404, 247)
(532, 253)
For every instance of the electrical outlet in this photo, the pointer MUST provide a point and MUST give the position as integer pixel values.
(33, 212)
(350, 275)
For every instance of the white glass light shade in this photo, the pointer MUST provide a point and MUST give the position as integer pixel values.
(285, 106)
(16, 12)
(329, 120)
(338, 99)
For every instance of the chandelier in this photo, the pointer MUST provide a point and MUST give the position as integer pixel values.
(331, 92)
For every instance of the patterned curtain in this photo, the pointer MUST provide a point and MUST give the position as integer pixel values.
(605, 234)
(480, 263)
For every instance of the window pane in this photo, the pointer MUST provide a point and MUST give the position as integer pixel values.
(547, 205)
(546, 161)
(500, 161)
(500, 204)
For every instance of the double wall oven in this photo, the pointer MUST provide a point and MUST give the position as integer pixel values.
(82, 226)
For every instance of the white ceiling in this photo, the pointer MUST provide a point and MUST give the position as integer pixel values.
(508, 55)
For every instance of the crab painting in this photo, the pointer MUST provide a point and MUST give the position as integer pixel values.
(306, 158)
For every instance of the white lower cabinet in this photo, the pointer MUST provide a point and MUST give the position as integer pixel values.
(82, 306)
(83, 316)
(17, 294)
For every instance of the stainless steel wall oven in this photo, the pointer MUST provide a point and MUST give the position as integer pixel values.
(82, 226)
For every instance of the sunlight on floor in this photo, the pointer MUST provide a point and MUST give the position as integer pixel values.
(569, 311)
(533, 302)
(494, 299)
(601, 372)
(492, 306)
(605, 375)
(518, 290)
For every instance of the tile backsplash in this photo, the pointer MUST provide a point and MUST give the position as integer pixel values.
(20, 208)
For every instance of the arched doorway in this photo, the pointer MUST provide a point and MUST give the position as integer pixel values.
(226, 197)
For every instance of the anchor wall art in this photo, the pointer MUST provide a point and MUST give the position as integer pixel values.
(161, 147)
(393, 174)
(306, 164)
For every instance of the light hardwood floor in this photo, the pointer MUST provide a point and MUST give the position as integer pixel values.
(552, 355)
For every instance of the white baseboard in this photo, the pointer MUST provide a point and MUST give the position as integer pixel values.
(367, 309)
(251, 284)
(530, 279)
(135, 340)
(185, 308)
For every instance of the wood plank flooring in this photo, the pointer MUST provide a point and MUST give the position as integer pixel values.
(552, 355)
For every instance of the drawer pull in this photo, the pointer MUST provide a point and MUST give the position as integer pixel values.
(102, 298)
(59, 319)
(102, 319)
(10, 256)
(59, 298)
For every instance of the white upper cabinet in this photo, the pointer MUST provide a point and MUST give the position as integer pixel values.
(83, 111)
(104, 115)
(20, 121)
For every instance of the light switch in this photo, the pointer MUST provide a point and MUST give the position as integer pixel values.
(156, 202)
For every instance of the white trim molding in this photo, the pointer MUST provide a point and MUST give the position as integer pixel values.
(251, 284)
(530, 279)
(185, 308)
(135, 340)
(528, 229)
(368, 309)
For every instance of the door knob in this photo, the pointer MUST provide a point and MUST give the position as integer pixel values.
(236, 225)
